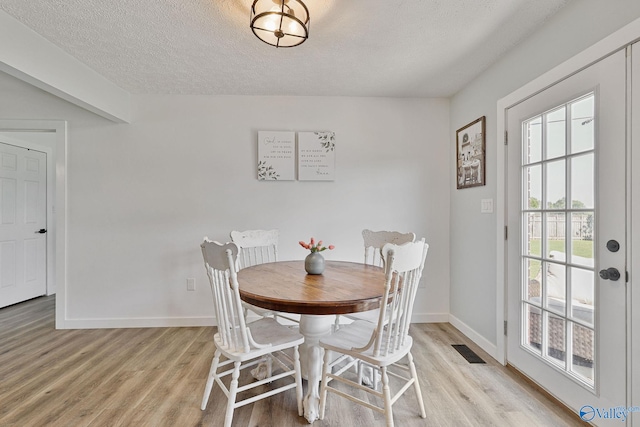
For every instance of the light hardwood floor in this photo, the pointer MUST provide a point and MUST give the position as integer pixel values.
(156, 376)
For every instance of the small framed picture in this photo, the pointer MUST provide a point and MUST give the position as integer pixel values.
(470, 154)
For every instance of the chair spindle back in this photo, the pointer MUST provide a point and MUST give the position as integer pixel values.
(375, 240)
(220, 261)
(256, 246)
(404, 269)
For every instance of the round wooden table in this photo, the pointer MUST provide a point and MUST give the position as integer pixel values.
(344, 287)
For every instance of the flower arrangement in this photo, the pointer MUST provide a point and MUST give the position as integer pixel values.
(315, 247)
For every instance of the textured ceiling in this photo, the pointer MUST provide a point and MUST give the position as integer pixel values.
(355, 48)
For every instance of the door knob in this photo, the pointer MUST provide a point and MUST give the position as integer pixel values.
(41, 231)
(610, 274)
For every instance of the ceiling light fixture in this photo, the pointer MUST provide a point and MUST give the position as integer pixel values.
(280, 23)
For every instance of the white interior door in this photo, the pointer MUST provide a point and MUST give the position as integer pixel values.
(566, 202)
(23, 206)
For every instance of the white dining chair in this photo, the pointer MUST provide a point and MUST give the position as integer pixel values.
(373, 243)
(245, 345)
(384, 343)
(258, 247)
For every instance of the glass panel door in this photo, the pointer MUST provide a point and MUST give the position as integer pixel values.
(566, 199)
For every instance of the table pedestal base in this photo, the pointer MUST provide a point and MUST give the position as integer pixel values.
(313, 328)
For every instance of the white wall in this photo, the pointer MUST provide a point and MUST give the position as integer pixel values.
(473, 235)
(141, 196)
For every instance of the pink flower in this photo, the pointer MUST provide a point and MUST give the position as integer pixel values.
(315, 247)
(304, 245)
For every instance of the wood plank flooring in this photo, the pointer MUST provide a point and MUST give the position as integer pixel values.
(156, 376)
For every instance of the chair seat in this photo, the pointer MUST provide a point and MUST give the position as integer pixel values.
(264, 331)
(263, 312)
(357, 335)
(369, 316)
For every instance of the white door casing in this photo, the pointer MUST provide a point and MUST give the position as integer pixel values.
(30, 134)
(634, 294)
(23, 208)
(606, 80)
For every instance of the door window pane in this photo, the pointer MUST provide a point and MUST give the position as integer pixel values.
(582, 182)
(555, 224)
(555, 177)
(583, 350)
(533, 225)
(533, 291)
(533, 328)
(556, 287)
(532, 137)
(556, 349)
(582, 124)
(556, 133)
(582, 295)
(533, 187)
(582, 238)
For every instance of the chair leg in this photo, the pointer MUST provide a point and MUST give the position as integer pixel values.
(233, 390)
(386, 392)
(367, 375)
(298, 376)
(325, 380)
(269, 366)
(416, 385)
(210, 379)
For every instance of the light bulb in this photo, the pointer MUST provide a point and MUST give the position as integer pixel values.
(272, 22)
(295, 27)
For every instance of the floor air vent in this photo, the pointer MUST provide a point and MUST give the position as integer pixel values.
(467, 353)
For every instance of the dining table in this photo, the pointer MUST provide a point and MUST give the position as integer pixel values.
(284, 286)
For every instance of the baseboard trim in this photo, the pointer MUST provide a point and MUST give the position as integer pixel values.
(474, 336)
(430, 318)
(169, 322)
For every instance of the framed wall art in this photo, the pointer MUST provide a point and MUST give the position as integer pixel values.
(276, 156)
(316, 156)
(470, 154)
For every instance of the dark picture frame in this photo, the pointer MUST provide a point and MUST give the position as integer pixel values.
(470, 154)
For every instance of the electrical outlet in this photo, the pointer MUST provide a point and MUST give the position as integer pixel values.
(191, 284)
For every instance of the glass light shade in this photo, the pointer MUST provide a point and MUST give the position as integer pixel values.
(280, 23)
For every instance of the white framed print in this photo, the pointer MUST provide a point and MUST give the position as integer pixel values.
(276, 156)
(316, 156)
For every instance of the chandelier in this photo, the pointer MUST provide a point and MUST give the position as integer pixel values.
(280, 23)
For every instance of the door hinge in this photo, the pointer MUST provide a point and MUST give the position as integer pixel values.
(505, 327)
(626, 276)
(506, 137)
(506, 232)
